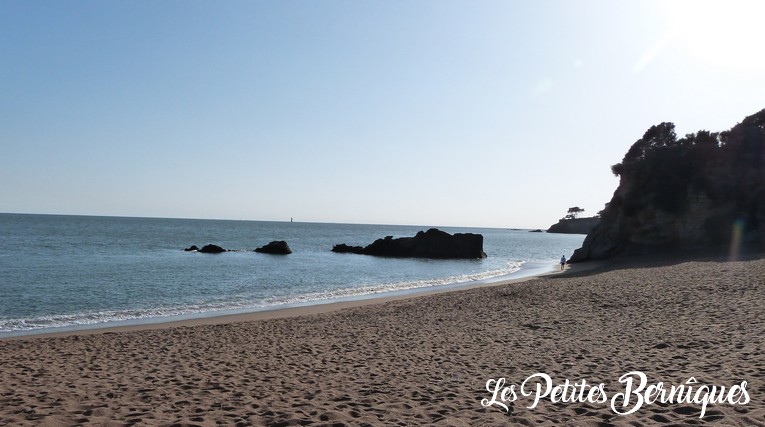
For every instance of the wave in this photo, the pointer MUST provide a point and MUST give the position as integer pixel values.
(106, 318)
(365, 290)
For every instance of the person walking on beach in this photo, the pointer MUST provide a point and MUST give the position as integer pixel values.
(562, 261)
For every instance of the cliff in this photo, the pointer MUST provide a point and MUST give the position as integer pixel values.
(574, 226)
(705, 190)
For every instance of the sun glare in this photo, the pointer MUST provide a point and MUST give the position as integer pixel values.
(728, 33)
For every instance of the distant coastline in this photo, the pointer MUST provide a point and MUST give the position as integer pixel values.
(574, 225)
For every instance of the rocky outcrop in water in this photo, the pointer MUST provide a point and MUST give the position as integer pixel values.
(211, 249)
(346, 249)
(279, 247)
(433, 243)
(705, 190)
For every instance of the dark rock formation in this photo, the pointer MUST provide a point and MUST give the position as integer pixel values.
(703, 191)
(538, 230)
(211, 249)
(574, 225)
(276, 248)
(343, 249)
(433, 243)
(191, 248)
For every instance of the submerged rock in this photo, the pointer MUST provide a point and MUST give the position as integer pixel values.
(279, 247)
(191, 248)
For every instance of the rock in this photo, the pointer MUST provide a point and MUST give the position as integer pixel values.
(536, 231)
(343, 249)
(702, 192)
(574, 226)
(191, 248)
(279, 247)
(211, 249)
(433, 243)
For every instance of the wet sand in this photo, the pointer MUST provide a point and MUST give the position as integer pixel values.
(419, 360)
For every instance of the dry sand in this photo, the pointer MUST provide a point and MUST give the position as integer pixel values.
(417, 361)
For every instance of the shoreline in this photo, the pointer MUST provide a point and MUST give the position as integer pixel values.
(321, 307)
(421, 360)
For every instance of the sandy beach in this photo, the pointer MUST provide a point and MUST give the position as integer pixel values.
(424, 360)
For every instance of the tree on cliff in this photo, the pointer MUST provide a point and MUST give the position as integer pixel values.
(574, 212)
(687, 191)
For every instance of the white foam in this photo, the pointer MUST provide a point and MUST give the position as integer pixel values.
(108, 318)
(364, 290)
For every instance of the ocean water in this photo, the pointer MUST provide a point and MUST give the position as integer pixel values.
(73, 272)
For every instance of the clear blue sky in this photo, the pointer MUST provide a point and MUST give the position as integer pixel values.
(468, 113)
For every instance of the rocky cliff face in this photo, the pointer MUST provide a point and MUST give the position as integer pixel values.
(703, 190)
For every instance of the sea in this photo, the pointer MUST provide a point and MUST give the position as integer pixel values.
(61, 273)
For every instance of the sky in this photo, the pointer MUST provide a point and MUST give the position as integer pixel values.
(438, 113)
